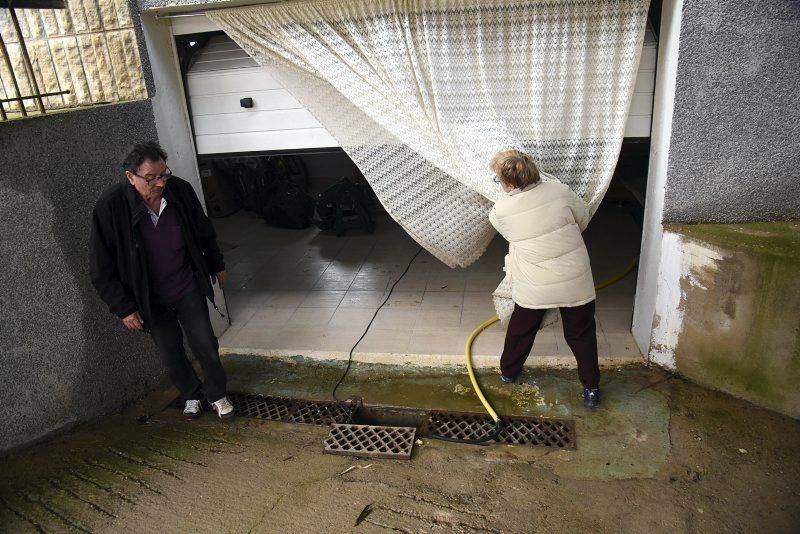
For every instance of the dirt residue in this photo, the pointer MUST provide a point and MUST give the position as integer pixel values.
(140, 474)
(527, 395)
(461, 389)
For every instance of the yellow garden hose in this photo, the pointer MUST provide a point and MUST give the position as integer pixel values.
(620, 276)
(468, 352)
(489, 322)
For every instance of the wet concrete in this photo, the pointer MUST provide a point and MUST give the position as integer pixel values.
(661, 455)
(637, 445)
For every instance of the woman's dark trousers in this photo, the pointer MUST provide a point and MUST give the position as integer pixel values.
(579, 331)
(191, 312)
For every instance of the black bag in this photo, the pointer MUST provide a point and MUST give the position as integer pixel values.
(342, 206)
(288, 206)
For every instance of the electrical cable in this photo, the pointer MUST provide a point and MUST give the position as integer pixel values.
(350, 357)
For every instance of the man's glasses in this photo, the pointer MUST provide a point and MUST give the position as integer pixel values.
(166, 175)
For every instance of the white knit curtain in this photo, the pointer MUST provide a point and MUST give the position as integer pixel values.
(421, 94)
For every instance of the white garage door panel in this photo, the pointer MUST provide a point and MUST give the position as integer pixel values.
(214, 83)
(198, 24)
(229, 103)
(265, 121)
(641, 104)
(637, 126)
(224, 74)
(645, 82)
(258, 141)
(217, 45)
(221, 54)
(648, 59)
(216, 66)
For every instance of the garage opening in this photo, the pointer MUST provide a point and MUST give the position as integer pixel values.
(307, 290)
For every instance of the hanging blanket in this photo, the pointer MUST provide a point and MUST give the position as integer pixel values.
(422, 93)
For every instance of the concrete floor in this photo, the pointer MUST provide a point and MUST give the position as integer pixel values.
(661, 455)
(312, 293)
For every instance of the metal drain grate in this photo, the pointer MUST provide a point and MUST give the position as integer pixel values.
(292, 410)
(321, 413)
(372, 441)
(272, 408)
(459, 426)
(536, 431)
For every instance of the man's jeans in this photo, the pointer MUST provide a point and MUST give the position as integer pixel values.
(191, 312)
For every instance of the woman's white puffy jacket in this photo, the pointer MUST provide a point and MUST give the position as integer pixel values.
(547, 258)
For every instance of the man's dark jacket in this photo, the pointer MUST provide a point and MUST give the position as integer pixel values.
(117, 261)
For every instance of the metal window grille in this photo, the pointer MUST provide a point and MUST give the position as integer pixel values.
(82, 54)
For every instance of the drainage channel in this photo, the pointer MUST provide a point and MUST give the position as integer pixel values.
(297, 411)
(390, 432)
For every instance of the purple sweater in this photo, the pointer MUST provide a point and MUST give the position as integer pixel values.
(168, 264)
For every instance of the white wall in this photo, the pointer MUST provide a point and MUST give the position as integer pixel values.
(668, 323)
(645, 307)
(172, 122)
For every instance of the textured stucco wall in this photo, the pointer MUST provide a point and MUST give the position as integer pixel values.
(734, 152)
(65, 358)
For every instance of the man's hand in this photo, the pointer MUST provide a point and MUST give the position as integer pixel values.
(219, 277)
(133, 321)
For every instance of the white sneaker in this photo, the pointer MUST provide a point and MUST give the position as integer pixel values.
(193, 409)
(224, 408)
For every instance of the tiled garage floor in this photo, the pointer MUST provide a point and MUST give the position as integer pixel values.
(301, 291)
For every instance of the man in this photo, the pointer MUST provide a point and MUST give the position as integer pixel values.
(153, 258)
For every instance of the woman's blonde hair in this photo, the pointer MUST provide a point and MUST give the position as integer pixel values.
(515, 168)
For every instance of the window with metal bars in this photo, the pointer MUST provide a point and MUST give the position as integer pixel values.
(62, 54)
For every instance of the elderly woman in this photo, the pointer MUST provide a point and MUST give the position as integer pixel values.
(548, 264)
